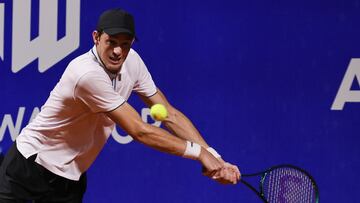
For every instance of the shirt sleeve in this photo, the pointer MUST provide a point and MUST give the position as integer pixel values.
(96, 91)
(144, 84)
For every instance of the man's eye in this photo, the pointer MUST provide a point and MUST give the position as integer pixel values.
(111, 43)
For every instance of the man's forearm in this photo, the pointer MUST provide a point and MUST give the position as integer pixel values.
(181, 126)
(152, 136)
(161, 140)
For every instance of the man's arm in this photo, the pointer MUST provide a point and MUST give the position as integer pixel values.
(157, 138)
(178, 124)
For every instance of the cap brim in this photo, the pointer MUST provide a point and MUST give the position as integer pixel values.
(114, 31)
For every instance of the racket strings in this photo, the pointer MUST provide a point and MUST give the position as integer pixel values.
(288, 185)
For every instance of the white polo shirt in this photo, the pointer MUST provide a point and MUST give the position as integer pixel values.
(72, 128)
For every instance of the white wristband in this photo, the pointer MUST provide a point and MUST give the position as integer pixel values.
(213, 152)
(192, 150)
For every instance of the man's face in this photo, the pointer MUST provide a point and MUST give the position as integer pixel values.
(112, 49)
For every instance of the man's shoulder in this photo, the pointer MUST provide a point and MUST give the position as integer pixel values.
(82, 65)
(134, 61)
(133, 56)
(84, 59)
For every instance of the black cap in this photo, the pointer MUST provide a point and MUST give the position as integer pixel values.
(116, 21)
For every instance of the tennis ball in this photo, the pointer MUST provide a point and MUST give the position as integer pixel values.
(158, 112)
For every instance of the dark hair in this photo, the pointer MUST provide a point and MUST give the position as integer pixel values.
(100, 32)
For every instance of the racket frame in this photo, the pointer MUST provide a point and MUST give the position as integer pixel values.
(263, 175)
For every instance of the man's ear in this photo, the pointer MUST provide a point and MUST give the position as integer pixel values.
(96, 37)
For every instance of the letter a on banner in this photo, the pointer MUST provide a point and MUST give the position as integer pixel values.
(345, 94)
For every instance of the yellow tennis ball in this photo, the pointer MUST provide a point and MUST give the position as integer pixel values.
(158, 112)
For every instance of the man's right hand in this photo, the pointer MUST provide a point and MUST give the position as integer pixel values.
(211, 165)
(229, 174)
(215, 169)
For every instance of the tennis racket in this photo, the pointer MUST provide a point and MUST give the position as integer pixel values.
(284, 184)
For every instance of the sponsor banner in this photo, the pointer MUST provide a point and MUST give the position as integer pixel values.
(265, 83)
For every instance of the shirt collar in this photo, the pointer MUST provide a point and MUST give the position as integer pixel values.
(111, 75)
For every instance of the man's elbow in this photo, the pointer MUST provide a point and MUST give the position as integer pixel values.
(140, 131)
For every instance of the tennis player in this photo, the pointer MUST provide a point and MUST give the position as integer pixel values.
(50, 157)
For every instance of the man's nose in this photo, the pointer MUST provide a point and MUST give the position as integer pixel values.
(117, 50)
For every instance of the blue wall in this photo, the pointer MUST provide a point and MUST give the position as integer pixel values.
(258, 79)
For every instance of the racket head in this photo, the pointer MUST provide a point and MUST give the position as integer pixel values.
(288, 183)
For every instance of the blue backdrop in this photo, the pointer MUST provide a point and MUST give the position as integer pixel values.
(258, 79)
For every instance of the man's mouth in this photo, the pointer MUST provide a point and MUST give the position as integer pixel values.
(115, 59)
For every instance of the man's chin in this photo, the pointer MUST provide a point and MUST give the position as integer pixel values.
(113, 68)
